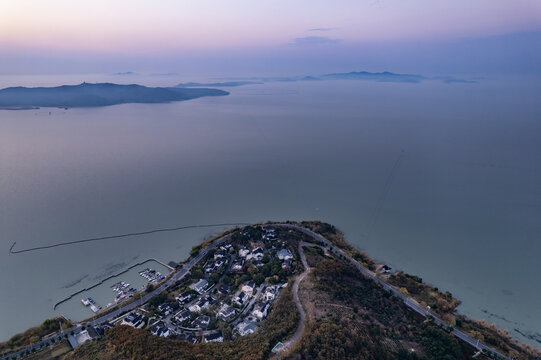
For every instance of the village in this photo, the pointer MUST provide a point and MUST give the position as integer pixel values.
(228, 287)
(226, 295)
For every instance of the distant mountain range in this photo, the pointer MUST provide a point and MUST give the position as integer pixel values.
(126, 73)
(385, 76)
(381, 76)
(104, 94)
(219, 84)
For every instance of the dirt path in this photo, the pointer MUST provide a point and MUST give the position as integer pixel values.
(288, 345)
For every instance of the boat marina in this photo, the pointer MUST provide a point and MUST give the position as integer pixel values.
(92, 304)
(151, 275)
(113, 291)
(123, 291)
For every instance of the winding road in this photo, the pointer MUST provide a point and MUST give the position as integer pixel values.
(178, 275)
(181, 273)
(411, 303)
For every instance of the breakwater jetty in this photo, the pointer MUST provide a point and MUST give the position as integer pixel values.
(111, 237)
(69, 297)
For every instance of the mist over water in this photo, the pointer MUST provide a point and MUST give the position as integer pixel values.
(440, 180)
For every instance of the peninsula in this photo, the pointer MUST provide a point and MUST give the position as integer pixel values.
(101, 94)
(292, 290)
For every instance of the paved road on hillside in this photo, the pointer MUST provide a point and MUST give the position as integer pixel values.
(408, 301)
(179, 274)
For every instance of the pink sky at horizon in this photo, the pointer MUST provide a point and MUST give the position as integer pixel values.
(142, 26)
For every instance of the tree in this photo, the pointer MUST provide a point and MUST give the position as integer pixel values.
(214, 278)
(195, 250)
(226, 280)
(227, 332)
(259, 278)
(266, 270)
(197, 272)
(158, 299)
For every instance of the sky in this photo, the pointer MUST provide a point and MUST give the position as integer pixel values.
(245, 36)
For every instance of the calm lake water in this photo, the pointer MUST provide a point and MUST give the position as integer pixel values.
(440, 180)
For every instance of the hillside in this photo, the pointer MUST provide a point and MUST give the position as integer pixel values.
(348, 316)
(104, 94)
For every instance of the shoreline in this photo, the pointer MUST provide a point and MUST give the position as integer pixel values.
(69, 297)
(17, 108)
(332, 238)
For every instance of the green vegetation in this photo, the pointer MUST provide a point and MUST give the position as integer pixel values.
(441, 303)
(351, 317)
(34, 334)
(56, 352)
(195, 250)
(497, 338)
(157, 300)
(348, 315)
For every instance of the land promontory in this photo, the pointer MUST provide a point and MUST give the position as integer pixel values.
(100, 94)
(293, 290)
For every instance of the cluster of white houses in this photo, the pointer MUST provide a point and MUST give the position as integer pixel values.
(198, 309)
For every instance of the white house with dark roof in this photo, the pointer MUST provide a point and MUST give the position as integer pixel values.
(246, 327)
(219, 263)
(201, 322)
(134, 320)
(214, 337)
(226, 312)
(203, 303)
(256, 254)
(188, 336)
(161, 331)
(223, 289)
(244, 251)
(260, 310)
(269, 233)
(200, 286)
(184, 297)
(241, 298)
(210, 266)
(284, 254)
(183, 315)
(248, 287)
(165, 308)
(270, 293)
(82, 337)
(258, 263)
(220, 254)
(238, 265)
